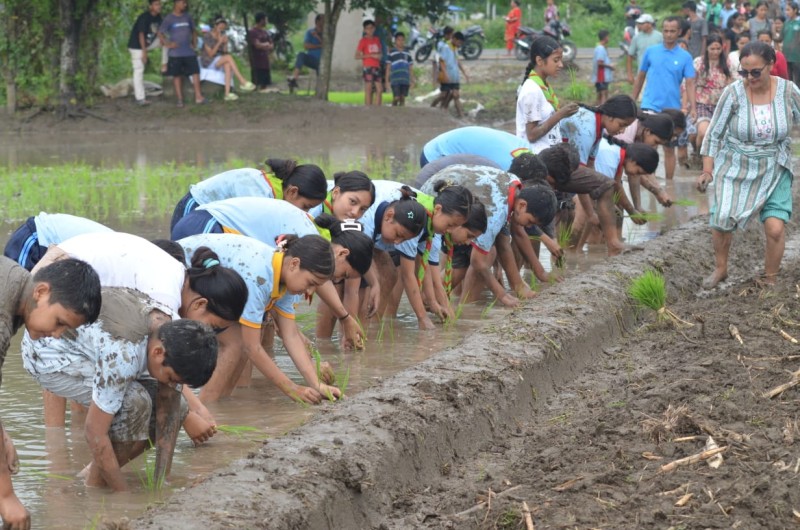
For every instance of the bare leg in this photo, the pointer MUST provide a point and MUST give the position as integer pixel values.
(457, 103)
(55, 409)
(226, 66)
(775, 231)
(608, 222)
(177, 83)
(230, 361)
(669, 162)
(198, 95)
(702, 127)
(722, 247)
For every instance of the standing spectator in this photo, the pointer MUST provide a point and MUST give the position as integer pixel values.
(438, 69)
(399, 70)
(748, 155)
(312, 44)
(699, 29)
(728, 10)
(735, 29)
(714, 16)
(369, 52)
(760, 20)
(513, 21)
(632, 13)
(777, 33)
(646, 37)
(452, 67)
(179, 35)
(142, 39)
(780, 67)
(602, 69)
(713, 75)
(260, 45)
(215, 55)
(666, 66)
(774, 8)
(551, 12)
(791, 41)
(733, 58)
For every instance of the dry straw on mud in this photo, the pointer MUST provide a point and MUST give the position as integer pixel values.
(650, 291)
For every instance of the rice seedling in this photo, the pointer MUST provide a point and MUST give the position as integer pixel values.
(563, 238)
(240, 431)
(576, 90)
(343, 379)
(647, 216)
(147, 477)
(649, 290)
(684, 202)
(533, 283)
(488, 308)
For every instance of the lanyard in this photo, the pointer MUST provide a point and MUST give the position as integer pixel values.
(427, 253)
(621, 164)
(512, 195)
(549, 93)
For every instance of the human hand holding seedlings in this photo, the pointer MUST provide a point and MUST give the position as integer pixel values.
(638, 217)
(326, 373)
(198, 429)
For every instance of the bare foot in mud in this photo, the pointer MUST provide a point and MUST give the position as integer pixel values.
(622, 249)
(714, 278)
(765, 280)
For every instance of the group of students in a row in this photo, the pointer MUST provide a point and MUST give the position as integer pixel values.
(247, 244)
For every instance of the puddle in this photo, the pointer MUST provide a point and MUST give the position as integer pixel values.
(51, 458)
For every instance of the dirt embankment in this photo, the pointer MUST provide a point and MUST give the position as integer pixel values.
(494, 413)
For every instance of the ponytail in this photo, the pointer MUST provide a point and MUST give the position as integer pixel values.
(619, 106)
(224, 289)
(314, 252)
(349, 234)
(408, 212)
(309, 179)
(452, 198)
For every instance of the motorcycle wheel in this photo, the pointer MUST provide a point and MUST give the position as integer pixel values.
(423, 53)
(522, 53)
(570, 50)
(472, 49)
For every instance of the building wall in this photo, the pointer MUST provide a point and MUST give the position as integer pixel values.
(348, 33)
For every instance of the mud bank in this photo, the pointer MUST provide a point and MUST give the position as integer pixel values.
(351, 465)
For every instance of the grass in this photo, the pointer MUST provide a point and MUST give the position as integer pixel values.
(576, 90)
(353, 98)
(237, 430)
(488, 308)
(563, 238)
(150, 482)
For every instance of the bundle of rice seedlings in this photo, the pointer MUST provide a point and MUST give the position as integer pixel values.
(684, 202)
(650, 290)
(564, 238)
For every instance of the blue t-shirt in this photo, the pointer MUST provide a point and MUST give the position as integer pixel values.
(261, 218)
(55, 228)
(487, 184)
(666, 69)
(400, 67)
(582, 131)
(448, 55)
(244, 182)
(180, 30)
(498, 146)
(311, 38)
(258, 264)
(601, 75)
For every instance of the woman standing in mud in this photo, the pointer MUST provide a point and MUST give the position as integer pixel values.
(747, 155)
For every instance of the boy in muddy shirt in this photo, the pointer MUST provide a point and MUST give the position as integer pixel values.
(113, 367)
(61, 296)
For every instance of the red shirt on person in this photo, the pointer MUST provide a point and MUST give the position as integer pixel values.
(370, 46)
(781, 69)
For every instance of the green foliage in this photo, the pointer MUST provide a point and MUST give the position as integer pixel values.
(240, 431)
(649, 290)
(577, 90)
(684, 202)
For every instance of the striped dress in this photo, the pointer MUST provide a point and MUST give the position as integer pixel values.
(749, 168)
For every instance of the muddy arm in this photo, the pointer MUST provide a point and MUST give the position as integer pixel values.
(105, 466)
(14, 514)
(353, 336)
(168, 422)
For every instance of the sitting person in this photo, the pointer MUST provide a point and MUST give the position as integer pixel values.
(113, 367)
(215, 55)
(310, 57)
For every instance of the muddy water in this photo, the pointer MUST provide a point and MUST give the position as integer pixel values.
(52, 457)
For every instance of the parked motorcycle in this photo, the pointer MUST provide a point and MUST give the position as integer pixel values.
(284, 51)
(556, 29)
(470, 50)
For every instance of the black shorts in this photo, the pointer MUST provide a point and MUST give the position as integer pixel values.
(261, 77)
(23, 246)
(372, 75)
(447, 87)
(400, 91)
(183, 66)
(461, 256)
(600, 87)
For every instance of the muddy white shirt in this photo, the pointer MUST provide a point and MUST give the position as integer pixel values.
(126, 260)
(260, 267)
(532, 106)
(244, 182)
(261, 218)
(107, 355)
(53, 228)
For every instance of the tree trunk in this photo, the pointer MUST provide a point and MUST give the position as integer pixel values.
(68, 65)
(333, 8)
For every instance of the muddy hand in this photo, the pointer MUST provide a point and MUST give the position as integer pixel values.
(353, 334)
(664, 199)
(326, 373)
(638, 218)
(12, 459)
(305, 394)
(426, 323)
(703, 181)
(14, 514)
(330, 392)
(198, 429)
(569, 109)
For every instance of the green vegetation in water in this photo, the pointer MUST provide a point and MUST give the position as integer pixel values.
(649, 290)
(343, 379)
(563, 238)
(238, 430)
(684, 202)
(485, 312)
(533, 283)
(382, 329)
(647, 216)
(147, 477)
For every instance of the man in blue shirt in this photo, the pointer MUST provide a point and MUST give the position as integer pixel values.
(666, 66)
(312, 44)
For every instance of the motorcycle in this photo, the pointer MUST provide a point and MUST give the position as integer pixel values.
(284, 51)
(414, 38)
(470, 50)
(556, 29)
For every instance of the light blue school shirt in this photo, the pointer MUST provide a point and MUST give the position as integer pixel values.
(607, 160)
(583, 132)
(254, 262)
(498, 146)
(261, 218)
(601, 54)
(666, 69)
(386, 192)
(244, 182)
(487, 184)
(55, 228)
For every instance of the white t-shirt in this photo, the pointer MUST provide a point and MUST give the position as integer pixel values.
(533, 107)
(126, 260)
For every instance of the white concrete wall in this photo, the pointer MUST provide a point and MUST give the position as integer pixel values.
(348, 33)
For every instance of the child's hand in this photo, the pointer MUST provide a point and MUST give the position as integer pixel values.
(326, 373)
(664, 199)
(198, 429)
(425, 323)
(14, 514)
(330, 392)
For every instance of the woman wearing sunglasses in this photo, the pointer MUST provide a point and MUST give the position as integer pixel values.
(747, 156)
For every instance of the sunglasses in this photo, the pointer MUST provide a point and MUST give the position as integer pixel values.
(755, 73)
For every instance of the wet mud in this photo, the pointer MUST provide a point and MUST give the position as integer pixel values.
(487, 414)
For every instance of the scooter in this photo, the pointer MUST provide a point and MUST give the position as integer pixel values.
(556, 29)
(428, 45)
(473, 43)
